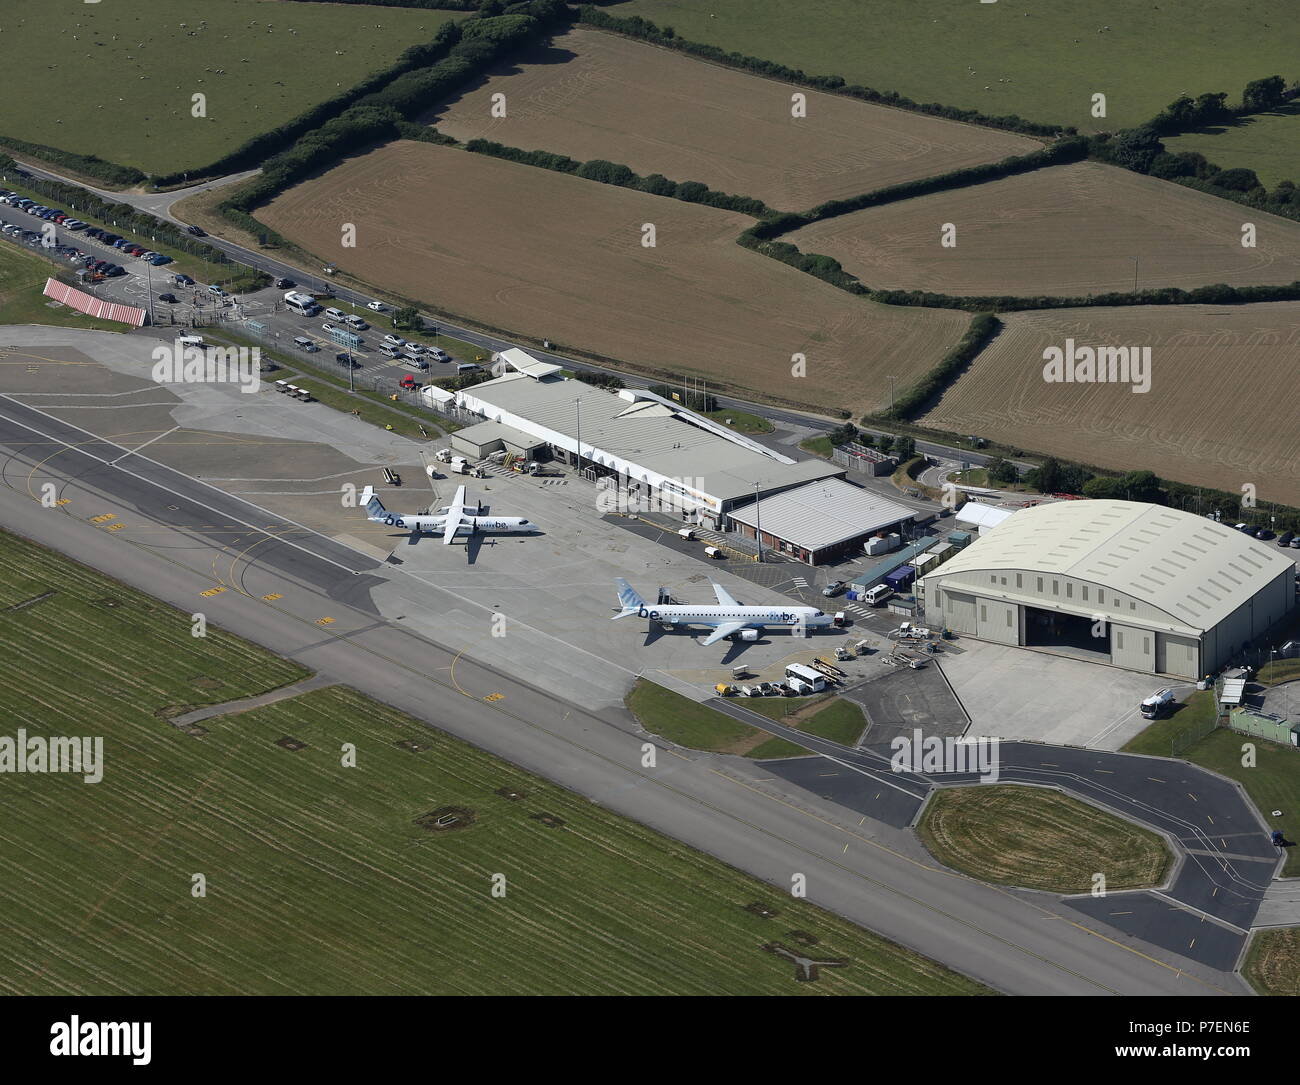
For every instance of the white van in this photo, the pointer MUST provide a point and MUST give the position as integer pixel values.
(390, 351)
(466, 367)
(418, 364)
(356, 323)
(336, 314)
(303, 343)
(189, 341)
(814, 680)
(713, 552)
(874, 597)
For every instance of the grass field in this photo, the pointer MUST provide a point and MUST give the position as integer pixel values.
(1165, 737)
(1072, 231)
(1043, 59)
(689, 723)
(22, 278)
(597, 95)
(116, 79)
(553, 256)
(1273, 963)
(322, 879)
(1214, 416)
(1268, 143)
(1038, 839)
(824, 715)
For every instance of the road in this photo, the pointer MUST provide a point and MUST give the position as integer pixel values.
(307, 597)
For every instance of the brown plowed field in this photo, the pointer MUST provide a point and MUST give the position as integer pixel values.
(1071, 230)
(1223, 409)
(553, 256)
(596, 95)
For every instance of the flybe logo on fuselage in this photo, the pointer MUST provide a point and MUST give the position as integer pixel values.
(773, 616)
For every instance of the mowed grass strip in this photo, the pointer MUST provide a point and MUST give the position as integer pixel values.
(1235, 358)
(1043, 61)
(690, 723)
(116, 80)
(1038, 839)
(588, 94)
(1072, 231)
(1273, 963)
(321, 880)
(551, 256)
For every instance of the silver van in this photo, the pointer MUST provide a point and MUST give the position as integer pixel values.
(418, 364)
(336, 314)
(303, 343)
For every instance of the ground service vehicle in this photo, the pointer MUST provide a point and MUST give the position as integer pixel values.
(1157, 704)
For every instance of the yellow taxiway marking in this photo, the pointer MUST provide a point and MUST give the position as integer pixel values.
(324, 621)
(272, 597)
(212, 591)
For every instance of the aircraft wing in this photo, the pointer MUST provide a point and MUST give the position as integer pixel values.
(449, 529)
(724, 596)
(458, 502)
(724, 631)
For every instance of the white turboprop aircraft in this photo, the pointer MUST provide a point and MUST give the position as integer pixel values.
(455, 519)
(728, 618)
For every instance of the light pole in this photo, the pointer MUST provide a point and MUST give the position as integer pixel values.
(577, 406)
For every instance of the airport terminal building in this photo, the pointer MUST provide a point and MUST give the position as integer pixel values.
(1139, 586)
(650, 448)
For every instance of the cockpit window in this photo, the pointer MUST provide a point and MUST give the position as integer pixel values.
(820, 614)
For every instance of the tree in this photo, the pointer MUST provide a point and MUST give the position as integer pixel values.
(1237, 180)
(407, 317)
(1262, 94)
(1135, 149)
(904, 448)
(1001, 472)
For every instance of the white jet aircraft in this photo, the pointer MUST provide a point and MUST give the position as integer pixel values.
(455, 519)
(728, 618)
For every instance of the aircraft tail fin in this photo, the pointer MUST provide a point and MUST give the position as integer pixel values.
(373, 506)
(628, 598)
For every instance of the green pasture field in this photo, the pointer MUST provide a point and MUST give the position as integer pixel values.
(1268, 143)
(321, 878)
(1042, 59)
(116, 79)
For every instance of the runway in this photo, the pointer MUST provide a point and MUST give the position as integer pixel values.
(307, 597)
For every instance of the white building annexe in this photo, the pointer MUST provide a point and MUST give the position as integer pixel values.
(820, 521)
(1136, 585)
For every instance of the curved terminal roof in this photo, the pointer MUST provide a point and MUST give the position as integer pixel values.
(1192, 568)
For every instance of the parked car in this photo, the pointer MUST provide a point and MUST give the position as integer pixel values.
(215, 289)
(1285, 538)
(184, 280)
(833, 588)
(439, 355)
(395, 340)
(170, 299)
(284, 284)
(159, 259)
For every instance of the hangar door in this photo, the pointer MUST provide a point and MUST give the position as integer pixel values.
(1176, 655)
(959, 611)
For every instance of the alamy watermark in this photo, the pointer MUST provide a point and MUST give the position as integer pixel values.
(933, 755)
(36, 753)
(197, 363)
(1074, 364)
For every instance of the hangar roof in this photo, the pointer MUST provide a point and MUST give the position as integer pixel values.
(820, 514)
(1195, 570)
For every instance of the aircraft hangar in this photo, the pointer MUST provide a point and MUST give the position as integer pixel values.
(1135, 585)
